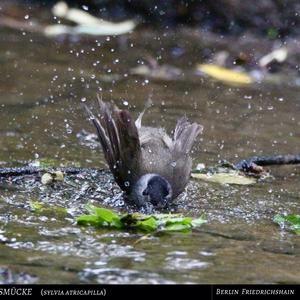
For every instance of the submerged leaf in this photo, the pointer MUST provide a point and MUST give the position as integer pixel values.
(225, 75)
(45, 209)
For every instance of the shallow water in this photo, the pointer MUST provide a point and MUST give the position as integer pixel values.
(44, 83)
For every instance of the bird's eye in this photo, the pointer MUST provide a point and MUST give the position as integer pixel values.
(145, 192)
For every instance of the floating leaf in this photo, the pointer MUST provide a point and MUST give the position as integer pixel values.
(225, 75)
(164, 72)
(278, 55)
(177, 227)
(105, 214)
(148, 225)
(104, 29)
(87, 24)
(292, 220)
(103, 217)
(90, 220)
(183, 220)
(233, 177)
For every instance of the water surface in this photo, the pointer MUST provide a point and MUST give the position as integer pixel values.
(44, 83)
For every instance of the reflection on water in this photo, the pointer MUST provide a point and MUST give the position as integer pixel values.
(42, 87)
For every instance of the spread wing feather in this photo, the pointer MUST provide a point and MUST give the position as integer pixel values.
(119, 139)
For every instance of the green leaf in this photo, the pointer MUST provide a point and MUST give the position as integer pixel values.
(177, 227)
(89, 220)
(183, 221)
(117, 223)
(279, 219)
(166, 216)
(103, 217)
(198, 222)
(46, 209)
(100, 217)
(103, 213)
(148, 225)
(292, 220)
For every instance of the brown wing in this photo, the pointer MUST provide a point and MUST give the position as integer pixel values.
(184, 138)
(119, 139)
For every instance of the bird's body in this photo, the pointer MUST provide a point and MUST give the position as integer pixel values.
(146, 162)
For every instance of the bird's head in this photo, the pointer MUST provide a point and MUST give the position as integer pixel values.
(151, 188)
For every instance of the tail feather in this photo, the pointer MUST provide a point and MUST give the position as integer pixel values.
(185, 135)
(119, 139)
(103, 138)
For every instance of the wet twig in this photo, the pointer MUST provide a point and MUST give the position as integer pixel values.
(252, 164)
(20, 171)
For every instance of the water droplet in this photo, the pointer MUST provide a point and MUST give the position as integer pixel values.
(69, 129)
(127, 183)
